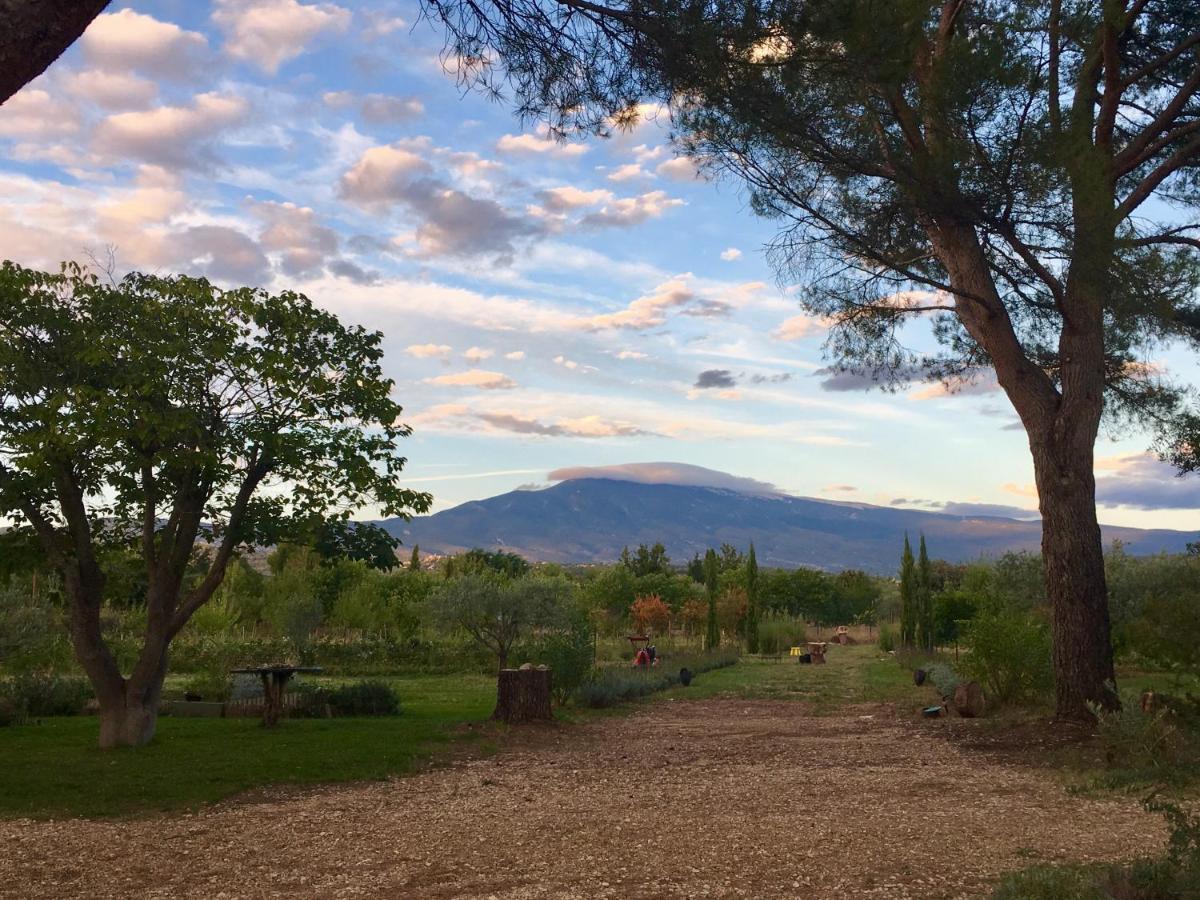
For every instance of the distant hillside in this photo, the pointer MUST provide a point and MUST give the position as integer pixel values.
(590, 520)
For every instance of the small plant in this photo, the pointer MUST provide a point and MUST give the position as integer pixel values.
(944, 678)
(887, 638)
(363, 698)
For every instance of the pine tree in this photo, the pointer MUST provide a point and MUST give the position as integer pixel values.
(751, 602)
(924, 599)
(415, 562)
(908, 597)
(712, 636)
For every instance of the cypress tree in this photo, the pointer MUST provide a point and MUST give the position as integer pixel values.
(924, 599)
(908, 597)
(712, 636)
(751, 602)
(415, 562)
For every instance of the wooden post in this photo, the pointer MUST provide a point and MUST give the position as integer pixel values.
(523, 695)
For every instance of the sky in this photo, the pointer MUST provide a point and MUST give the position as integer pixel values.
(545, 306)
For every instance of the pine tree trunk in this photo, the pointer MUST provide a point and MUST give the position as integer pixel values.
(1073, 559)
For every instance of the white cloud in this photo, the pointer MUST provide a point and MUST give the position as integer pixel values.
(799, 327)
(627, 172)
(631, 354)
(477, 354)
(383, 175)
(170, 135)
(679, 169)
(476, 378)
(127, 40)
(428, 351)
(515, 355)
(538, 144)
(268, 33)
(563, 199)
(380, 109)
(293, 231)
(673, 473)
(111, 90)
(565, 363)
(729, 254)
(627, 211)
(34, 114)
(646, 311)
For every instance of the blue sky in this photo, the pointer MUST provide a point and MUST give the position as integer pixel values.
(544, 305)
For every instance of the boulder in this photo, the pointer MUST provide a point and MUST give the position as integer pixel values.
(969, 701)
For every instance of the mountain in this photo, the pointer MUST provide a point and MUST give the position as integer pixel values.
(589, 520)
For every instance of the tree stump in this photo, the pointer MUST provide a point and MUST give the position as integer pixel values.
(969, 701)
(523, 695)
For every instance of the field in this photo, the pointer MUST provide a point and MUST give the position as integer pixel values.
(763, 779)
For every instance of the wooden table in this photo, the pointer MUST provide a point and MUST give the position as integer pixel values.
(274, 680)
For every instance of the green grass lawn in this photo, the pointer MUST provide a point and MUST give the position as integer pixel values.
(858, 673)
(54, 768)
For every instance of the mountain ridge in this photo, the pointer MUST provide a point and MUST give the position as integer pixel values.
(590, 520)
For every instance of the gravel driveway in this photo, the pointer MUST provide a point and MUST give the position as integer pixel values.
(712, 798)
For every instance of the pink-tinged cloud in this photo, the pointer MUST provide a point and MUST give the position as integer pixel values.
(1143, 481)
(127, 40)
(799, 327)
(475, 378)
(682, 474)
(176, 136)
(268, 33)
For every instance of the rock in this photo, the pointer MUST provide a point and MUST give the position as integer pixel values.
(969, 701)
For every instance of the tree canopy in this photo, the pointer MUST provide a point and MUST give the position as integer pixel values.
(1021, 176)
(157, 412)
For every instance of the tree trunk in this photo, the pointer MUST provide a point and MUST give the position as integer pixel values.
(36, 32)
(128, 724)
(1073, 560)
(523, 695)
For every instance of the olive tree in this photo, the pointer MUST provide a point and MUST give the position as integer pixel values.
(1022, 176)
(160, 413)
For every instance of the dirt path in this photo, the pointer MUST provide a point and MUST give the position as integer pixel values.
(717, 798)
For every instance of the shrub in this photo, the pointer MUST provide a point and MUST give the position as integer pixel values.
(777, 633)
(1009, 654)
(363, 698)
(887, 637)
(612, 686)
(1134, 738)
(569, 653)
(34, 694)
(944, 678)
(649, 613)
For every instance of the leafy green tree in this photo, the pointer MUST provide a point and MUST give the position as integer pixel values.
(729, 558)
(924, 599)
(496, 611)
(153, 411)
(340, 539)
(752, 607)
(908, 597)
(695, 569)
(647, 560)
(510, 565)
(712, 632)
(951, 609)
(1021, 175)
